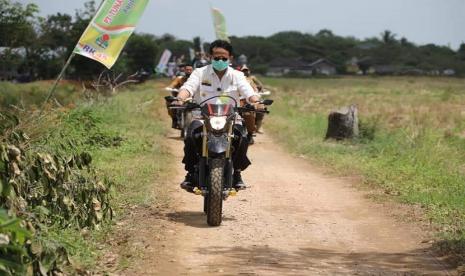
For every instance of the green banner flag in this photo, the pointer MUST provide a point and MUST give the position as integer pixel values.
(110, 29)
(219, 23)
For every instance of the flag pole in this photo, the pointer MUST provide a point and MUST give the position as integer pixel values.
(63, 70)
(58, 79)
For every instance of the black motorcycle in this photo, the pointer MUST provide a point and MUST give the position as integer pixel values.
(214, 173)
(183, 115)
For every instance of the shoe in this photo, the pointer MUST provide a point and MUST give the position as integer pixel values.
(250, 138)
(238, 183)
(187, 183)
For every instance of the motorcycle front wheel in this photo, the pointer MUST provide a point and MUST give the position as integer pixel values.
(182, 125)
(214, 197)
(205, 205)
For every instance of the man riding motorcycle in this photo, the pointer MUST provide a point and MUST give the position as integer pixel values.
(251, 78)
(207, 82)
(179, 81)
(249, 117)
(258, 119)
(175, 85)
(181, 70)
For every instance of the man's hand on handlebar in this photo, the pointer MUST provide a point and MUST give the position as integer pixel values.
(178, 102)
(258, 106)
(182, 97)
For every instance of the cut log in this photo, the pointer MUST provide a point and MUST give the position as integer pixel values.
(343, 123)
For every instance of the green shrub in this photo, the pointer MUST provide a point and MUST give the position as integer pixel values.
(14, 256)
(49, 182)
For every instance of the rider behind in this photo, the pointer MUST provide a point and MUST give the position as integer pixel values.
(177, 83)
(249, 117)
(253, 124)
(215, 80)
(251, 78)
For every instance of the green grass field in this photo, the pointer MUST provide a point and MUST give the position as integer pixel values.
(136, 165)
(141, 164)
(412, 144)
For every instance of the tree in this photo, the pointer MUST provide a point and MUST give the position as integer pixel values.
(141, 52)
(16, 23)
(365, 64)
(388, 37)
(197, 42)
(461, 52)
(325, 33)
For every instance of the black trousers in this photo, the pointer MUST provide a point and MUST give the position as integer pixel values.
(193, 147)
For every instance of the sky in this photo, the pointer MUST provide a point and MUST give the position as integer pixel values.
(422, 21)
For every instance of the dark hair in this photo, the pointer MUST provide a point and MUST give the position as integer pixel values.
(221, 44)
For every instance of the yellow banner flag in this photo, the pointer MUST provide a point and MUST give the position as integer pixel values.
(219, 23)
(110, 29)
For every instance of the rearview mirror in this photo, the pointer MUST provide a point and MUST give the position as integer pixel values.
(268, 102)
(170, 99)
(191, 105)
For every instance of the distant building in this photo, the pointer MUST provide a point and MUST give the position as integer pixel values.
(413, 72)
(385, 70)
(367, 45)
(352, 66)
(449, 72)
(285, 66)
(298, 67)
(323, 67)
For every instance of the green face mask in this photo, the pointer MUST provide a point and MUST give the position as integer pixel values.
(220, 65)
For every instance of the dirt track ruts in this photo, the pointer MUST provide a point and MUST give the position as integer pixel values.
(293, 220)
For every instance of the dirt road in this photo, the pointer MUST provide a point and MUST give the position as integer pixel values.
(293, 220)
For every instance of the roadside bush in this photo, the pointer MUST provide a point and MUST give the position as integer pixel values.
(48, 182)
(14, 257)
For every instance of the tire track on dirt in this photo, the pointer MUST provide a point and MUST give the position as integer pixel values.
(294, 220)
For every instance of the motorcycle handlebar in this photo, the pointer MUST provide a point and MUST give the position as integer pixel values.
(171, 89)
(246, 108)
(188, 106)
(252, 109)
(239, 109)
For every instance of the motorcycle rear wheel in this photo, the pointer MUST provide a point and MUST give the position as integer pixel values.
(215, 193)
(259, 121)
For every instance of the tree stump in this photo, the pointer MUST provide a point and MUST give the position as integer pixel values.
(343, 123)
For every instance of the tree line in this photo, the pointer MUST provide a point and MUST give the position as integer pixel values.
(37, 47)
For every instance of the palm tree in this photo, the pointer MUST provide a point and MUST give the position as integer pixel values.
(388, 37)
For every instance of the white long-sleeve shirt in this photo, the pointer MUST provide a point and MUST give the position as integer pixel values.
(204, 84)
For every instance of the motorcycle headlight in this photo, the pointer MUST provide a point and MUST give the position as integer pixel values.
(218, 123)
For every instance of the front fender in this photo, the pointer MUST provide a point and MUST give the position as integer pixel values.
(217, 144)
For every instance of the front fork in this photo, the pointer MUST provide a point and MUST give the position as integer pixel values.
(203, 164)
